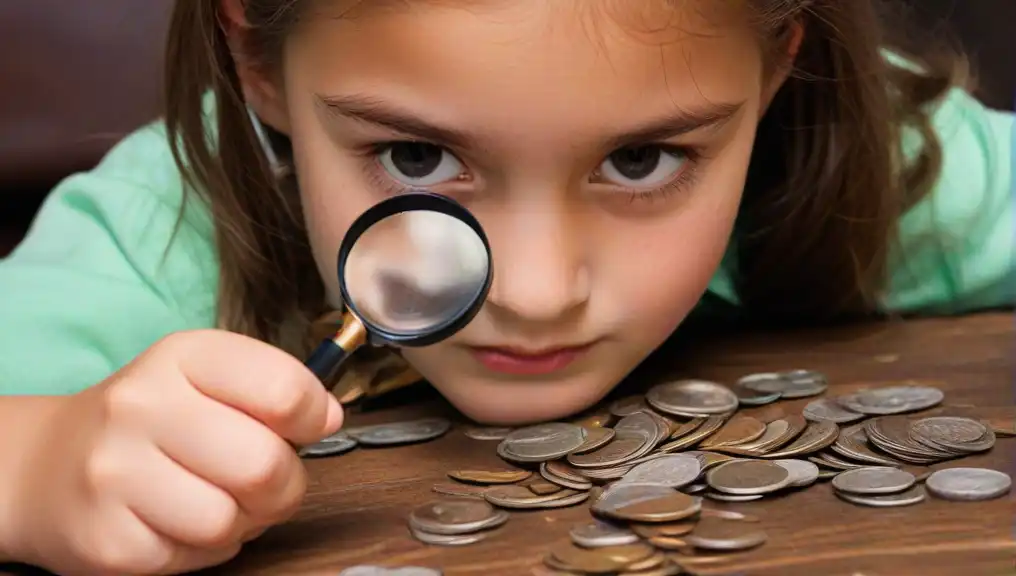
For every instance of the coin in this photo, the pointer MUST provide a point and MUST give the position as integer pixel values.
(490, 476)
(488, 433)
(628, 406)
(721, 497)
(598, 560)
(726, 535)
(454, 516)
(671, 529)
(671, 470)
(826, 409)
(447, 540)
(803, 383)
(737, 430)
(853, 443)
(802, 472)
(670, 508)
(617, 496)
(968, 484)
(952, 434)
(914, 495)
(401, 432)
(598, 534)
(749, 397)
(763, 382)
(623, 447)
(816, 436)
(874, 480)
(382, 571)
(542, 442)
(334, 445)
(694, 397)
(748, 477)
(543, 488)
(595, 438)
(460, 490)
(892, 399)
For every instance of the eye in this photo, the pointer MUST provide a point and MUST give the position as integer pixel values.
(419, 163)
(642, 166)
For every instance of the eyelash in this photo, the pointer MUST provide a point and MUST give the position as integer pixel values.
(685, 178)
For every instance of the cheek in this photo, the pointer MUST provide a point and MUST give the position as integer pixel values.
(332, 191)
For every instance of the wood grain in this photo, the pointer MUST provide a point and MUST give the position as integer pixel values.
(357, 506)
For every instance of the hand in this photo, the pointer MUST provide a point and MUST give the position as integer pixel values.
(175, 461)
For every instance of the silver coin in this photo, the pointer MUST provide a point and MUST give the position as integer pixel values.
(444, 540)
(828, 410)
(874, 480)
(721, 497)
(968, 484)
(488, 433)
(598, 534)
(382, 571)
(692, 397)
(892, 400)
(455, 516)
(914, 495)
(748, 477)
(803, 383)
(802, 472)
(764, 382)
(670, 470)
(542, 442)
(338, 443)
(963, 435)
(401, 432)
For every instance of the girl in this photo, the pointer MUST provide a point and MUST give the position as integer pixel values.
(780, 157)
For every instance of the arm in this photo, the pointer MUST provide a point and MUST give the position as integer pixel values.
(957, 248)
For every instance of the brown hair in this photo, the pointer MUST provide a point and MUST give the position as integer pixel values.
(825, 186)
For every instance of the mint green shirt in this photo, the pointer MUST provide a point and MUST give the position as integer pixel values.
(96, 282)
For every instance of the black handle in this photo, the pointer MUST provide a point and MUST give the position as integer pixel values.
(326, 359)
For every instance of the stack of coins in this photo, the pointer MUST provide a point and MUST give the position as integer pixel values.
(455, 521)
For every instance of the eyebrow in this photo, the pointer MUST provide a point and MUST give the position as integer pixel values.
(372, 110)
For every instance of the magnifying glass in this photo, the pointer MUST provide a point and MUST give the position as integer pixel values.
(413, 270)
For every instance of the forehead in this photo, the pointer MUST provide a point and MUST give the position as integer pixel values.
(553, 62)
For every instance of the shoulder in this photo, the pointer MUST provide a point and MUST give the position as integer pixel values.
(114, 261)
(955, 250)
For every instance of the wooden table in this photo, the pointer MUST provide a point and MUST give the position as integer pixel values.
(358, 503)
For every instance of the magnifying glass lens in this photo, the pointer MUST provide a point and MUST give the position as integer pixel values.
(412, 272)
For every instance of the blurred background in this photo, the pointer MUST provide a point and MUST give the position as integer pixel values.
(78, 75)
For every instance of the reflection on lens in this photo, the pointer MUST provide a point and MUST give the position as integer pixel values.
(414, 271)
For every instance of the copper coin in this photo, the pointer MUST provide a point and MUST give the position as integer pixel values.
(737, 430)
(599, 560)
(670, 529)
(748, 477)
(460, 490)
(490, 476)
(676, 506)
(454, 516)
(543, 488)
(595, 438)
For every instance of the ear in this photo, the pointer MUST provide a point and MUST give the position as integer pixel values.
(261, 90)
(793, 37)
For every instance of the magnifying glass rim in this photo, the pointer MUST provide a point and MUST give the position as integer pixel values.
(411, 201)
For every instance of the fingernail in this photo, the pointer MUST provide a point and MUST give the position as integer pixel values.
(334, 414)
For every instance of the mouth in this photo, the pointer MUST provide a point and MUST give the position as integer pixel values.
(528, 361)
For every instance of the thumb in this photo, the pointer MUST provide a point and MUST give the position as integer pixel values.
(333, 420)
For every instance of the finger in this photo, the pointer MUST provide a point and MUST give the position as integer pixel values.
(260, 380)
(234, 452)
(176, 503)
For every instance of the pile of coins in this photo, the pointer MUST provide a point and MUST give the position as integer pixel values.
(647, 464)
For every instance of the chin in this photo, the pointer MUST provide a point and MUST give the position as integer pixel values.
(520, 404)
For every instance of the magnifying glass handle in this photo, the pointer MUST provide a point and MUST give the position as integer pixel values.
(332, 352)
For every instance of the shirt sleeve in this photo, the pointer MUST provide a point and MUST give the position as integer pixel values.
(956, 246)
(97, 280)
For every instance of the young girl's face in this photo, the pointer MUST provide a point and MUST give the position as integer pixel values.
(603, 145)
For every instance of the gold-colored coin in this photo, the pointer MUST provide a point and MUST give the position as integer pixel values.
(711, 425)
(680, 429)
(490, 476)
(595, 438)
(671, 508)
(598, 560)
(670, 530)
(668, 543)
(816, 436)
(654, 561)
(543, 488)
(461, 490)
(737, 430)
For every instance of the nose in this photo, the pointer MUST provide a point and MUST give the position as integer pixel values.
(539, 269)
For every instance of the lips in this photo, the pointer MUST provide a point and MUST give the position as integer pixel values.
(518, 361)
